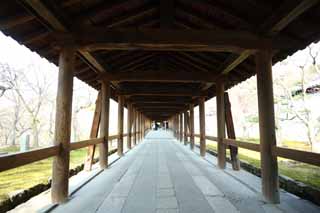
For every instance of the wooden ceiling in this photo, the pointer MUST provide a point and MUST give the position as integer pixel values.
(162, 54)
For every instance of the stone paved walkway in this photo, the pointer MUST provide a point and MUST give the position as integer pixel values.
(163, 176)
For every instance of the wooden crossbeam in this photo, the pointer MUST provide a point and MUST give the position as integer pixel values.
(42, 11)
(289, 11)
(153, 92)
(158, 76)
(95, 38)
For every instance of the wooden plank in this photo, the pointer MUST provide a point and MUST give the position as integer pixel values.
(12, 161)
(60, 165)
(301, 156)
(85, 143)
(202, 126)
(93, 39)
(221, 124)
(242, 144)
(231, 133)
(93, 134)
(269, 164)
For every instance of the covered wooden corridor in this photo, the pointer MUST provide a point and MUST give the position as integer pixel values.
(160, 59)
(162, 175)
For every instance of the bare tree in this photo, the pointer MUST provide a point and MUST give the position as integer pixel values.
(294, 99)
(29, 89)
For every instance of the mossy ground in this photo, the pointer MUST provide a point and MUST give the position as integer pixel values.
(27, 176)
(302, 172)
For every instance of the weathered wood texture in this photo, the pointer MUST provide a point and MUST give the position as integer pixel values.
(129, 125)
(185, 127)
(104, 124)
(221, 124)
(231, 133)
(60, 166)
(269, 165)
(93, 134)
(181, 127)
(191, 120)
(202, 126)
(12, 161)
(120, 124)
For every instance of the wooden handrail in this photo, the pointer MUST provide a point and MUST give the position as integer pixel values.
(292, 154)
(85, 143)
(242, 144)
(297, 155)
(12, 161)
(19, 159)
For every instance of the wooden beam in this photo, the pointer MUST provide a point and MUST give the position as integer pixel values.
(185, 127)
(202, 126)
(221, 124)
(288, 12)
(269, 164)
(191, 120)
(93, 134)
(158, 76)
(235, 162)
(129, 125)
(162, 92)
(180, 127)
(134, 119)
(92, 39)
(10, 22)
(120, 124)
(15, 160)
(42, 11)
(60, 165)
(104, 124)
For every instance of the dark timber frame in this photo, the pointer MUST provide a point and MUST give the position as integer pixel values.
(178, 55)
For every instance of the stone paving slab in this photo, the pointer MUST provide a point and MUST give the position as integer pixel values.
(164, 176)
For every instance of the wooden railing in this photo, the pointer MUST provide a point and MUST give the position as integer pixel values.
(292, 154)
(15, 160)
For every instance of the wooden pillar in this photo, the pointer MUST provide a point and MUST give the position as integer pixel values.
(129, 125)
(181, 127)
(191, 120)
(231, 133)
(134, 118)
(60, 167)
(120, 124)
(93, 134)
(202, 127)
(104, 124)
(185, 135)
(269, 164)
(221, 124)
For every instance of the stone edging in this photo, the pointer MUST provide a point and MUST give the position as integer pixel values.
(288, 184)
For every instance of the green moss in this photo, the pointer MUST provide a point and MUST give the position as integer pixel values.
(39, 172)
(302, 172)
